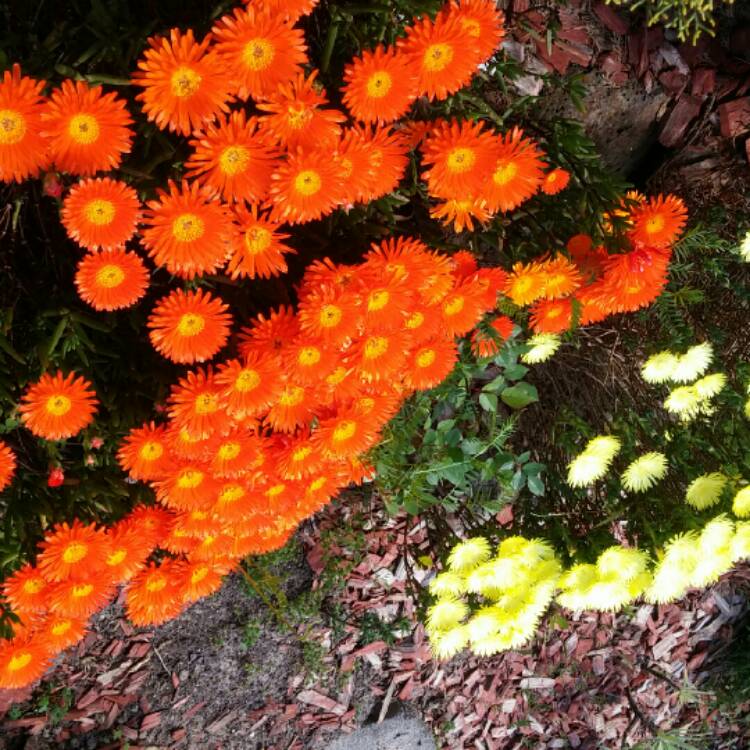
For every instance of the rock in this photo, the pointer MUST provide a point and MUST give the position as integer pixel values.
(734, 117)
(683, 113)
(400, 733)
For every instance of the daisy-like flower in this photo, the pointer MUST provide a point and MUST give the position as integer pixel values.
(184, 84)
(705, 490)
(82, 597)
(378, 356)
(555, 181)
(155, 594)
(634, 279)
(249, 388)
(710, 385)
(23, 660)
(189, 327)
(552, 316)
(100, 213)
(543, 346)
(430, 363)
(745, 248)
(448, 643)
(128, 550)
(87, 129)
(186, 231)
(448, 584)
(186, 488)
(297, 457)
(462, 308)
(23, 148)
(57, 406)
(460, 156)
(643, 473)
(659, 367)
(443, 52)
(468, 555)
(685, 402)
(461, 213)
(353, 159)
(693, 363)
(329, 315)
(388, 157)
(482, 20)
(261, 49)
(195, 404)
(232, 158)
(518, 173)
(58, 632)
(526, 283)
(288, 10)
(7, 465)
(714, 552)
(488, 345)
(305, 187)
(741, 502)
(657, 222)
(72, 551)
(562, 277)
(446, 614)
(258, 247)
(345, 435)
(295, 116)
(144, 452)
(202, 578)
(379, 86)
(309, 361)
(111, 279)
(26, 590)
(594, 462)
(270, 335)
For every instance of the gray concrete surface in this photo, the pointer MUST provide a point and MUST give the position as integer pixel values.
(399, 733)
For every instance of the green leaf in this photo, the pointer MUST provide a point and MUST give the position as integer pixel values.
(472, 446)
(488, 401)
(519, 395)
(535, 484)
(494, 385)
(516, 372)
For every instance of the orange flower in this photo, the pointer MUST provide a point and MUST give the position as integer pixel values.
(188, 487)
(128, 550)
(345, 435)
(403, 258)
(518, 173)
(378, 403)
(380, 355)
(189, 327)
(353, 160)
(233, 502)
(422, 325)
(658, 221)
(250, 388)
(262, 51)
(152, 523)
(185, 445)
(431, 363)
(58, 632)
(143, 453)
(23, 148)
(26, 590)
(7, 465)
(297, 457)
(184, 85)
(292, 409)
(324, 272)
(482, 20)
(634, 279)
(562, 277)
(72, 551)
(258, 247)
(555, 181)
(155, 594)
(111, 279)
(526, 283)
(308, 361)
(186, 231)
(462, 308)
(289, 10)
(329, 315)
(587, 258)
(552, 316)
(195, 404)
(484, 345)
(305, 187)
(462, 157)
(58, 407)
(233, 159)
(201, 579)
(235, 453)
(101, 213)
(270, 335)
(379, 86)
(80, 598)
(385, 302)
(23, 660)
(444, 53)
(388, 155)
(461, 213)
(594, 304)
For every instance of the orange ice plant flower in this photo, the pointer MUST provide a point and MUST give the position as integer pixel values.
(388, 157)
(100, 213)
(270, 335)
(258, 247)
(189, 327)
(23, 148)
(111, 279)
(483, 22)
(292, 409)
(261, 49)
(128, 550)
(526, 283)
(562, 277)
(289, 10)
(59, 632)
(23, 660)
(144, 452)
(195, 404)
(462, 308)
(380, 85)
(58, 406)
(308, 361)
(81, 597)
(184, 84)
(430, 363)
(248, 388)
(7, 465)
(155, 594)
(555, 181)
(72, 551)
(345, 435)
(552, 316)
(328, 314)
(659, 221)
(488, 344)
(461, 213)
(186, 231)
(87, 129)
(232, 158)
(26, 590)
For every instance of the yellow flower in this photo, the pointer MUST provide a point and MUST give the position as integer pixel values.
(543, 346)
(467, 555)
(446, 614)
(741, 542)
(705, 490)
(448, 584)
(659, 368)
(592, 464)
(684, 401)
(645, 472)
(693, 363)
(710, 385)
(741, 503)
(745, 248)
(673, 573)
(714, 551)
(449, 643)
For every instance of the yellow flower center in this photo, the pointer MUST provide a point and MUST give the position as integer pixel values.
(12, 127)
(231, 494)
(655, 224)
(415, 320)
(82, 590)
(300, 454)
(117, 557)
(308, 182)
(151, 451)
(347, 166)
(437, 57)
(206, 403)
(19, 661)
(199, 574)
(191, 324)
(292, 395)
(454, 306)
(75, 552)
(344, 431)
(316, 484)
(426, 357)
(229, 451)
(337, 376)
(188, 228)
(379, 84)
(258, 54)
(461, 159)
(257, 240)
(110, 276)
(309, 356)
(276, 490)
(375, 347)
(504, 173)
(554, 312)
(83, 129)
(33, 585)
(378, 300)
(247, 380)
(330, 316)
(471, 26)
(190, 479)
(99, 212)
(185, 82)
(366, 404)
(234, 160)
(297, 117)
(61, 628)
(156, 583)
(58, 405)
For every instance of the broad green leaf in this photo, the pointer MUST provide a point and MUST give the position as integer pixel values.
(520, 395)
